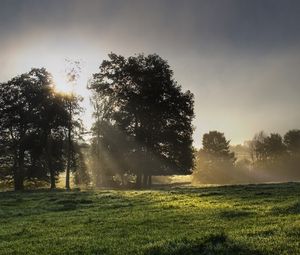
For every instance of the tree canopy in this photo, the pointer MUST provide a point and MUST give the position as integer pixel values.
(147, 106)
(34, 120)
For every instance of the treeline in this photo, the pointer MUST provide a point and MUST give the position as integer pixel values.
(143, 127)
(266, 158)
(39, 131)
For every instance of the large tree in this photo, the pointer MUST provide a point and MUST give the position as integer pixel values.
(33, 118)
(145, 103)
(20, 104)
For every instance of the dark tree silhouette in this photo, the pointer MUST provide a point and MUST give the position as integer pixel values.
(265, 147)
(214, 162)
(74, 129)
(258, 148)
(35, 122)
(216, 145)
(81, 175)
(21, 102)
(274, 147)
(292, 141)
(148, 107)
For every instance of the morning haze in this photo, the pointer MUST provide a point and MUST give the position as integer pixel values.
(239, 58)
(159, 127)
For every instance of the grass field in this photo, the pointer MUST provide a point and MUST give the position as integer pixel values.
(250, 219)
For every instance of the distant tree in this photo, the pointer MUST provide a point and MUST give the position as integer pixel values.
(216, 145)
(257, 147)
(81, 175)
(292, 141)
(269, 157)
(215, 161)
(147, 106)
(274, 146)
(265, 147)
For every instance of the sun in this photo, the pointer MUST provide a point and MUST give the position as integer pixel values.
(66, 74)
(61, 83)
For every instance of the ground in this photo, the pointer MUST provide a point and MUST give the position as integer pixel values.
(249, 219)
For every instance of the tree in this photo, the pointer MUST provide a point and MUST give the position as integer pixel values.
(257, 147)
(215, 144)
(33, 119)
(21, 102)
(269, 157)
(215, 162)
(292, 141)
(274, 147)
(145, 104)
(81, 176)
(74, 129)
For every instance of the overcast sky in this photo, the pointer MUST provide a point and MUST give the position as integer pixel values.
(241, 58)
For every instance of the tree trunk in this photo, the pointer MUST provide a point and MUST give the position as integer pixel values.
(52, 180)
(49, 162)
(145, 181)
(19, 171)
(138, 180)
(68, 159)
(149, 181)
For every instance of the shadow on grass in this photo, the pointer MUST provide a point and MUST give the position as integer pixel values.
(233, 214)
(213, 245)
(293, 208)
(38, 202)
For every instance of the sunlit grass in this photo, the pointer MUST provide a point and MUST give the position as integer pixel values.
(252, 219)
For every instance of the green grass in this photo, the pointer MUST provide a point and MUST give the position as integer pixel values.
(250, 219)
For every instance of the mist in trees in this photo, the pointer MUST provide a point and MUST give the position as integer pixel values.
(142, 121)
(276, 158)
(266, 158)
(214, 162)
(142, 129)
(34, 126)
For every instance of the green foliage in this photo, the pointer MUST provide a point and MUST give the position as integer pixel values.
(33, 123)
(138, 98)
(267, 158)
(274, 158)
(82, 175)
(249, 219)
(292, 141)
(215, 162)
(215, 144)
(30, 113)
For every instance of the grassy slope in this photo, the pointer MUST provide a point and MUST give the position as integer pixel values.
(252, 219)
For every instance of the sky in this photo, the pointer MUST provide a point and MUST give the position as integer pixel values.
(240, 58)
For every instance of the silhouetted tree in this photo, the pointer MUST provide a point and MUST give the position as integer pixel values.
(292, 141)
(274, 147)
(74, 129)
(34, 123)
(147, 106)
(216, 145)
(21, 101)
(81, 176)
(257, 147)
(214, 162)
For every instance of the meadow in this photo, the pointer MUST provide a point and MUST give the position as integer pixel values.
(243, 219)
